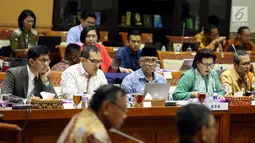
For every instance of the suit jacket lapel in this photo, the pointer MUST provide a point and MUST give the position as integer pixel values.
(24, 77)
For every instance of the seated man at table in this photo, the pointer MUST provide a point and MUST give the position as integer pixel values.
(84, 76)
(30, 79)
(107, 110)
(210, 39)
(73, 35)
(239, 79)
(72, 56)
(242, 41)
(201, 78)
(196, 124)
(135, 82)
(130, 54)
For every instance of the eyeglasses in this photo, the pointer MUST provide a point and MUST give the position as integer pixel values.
(90, 23)
(207, 65)
(96, 61)
(147, 62)
(43, 61)
(29, 21)
(246, 64)
(124, 110)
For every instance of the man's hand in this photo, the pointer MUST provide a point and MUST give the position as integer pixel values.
(194, 94)
(44, 76)
(125, 70)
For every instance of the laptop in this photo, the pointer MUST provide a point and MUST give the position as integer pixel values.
(157, 90)
(50, 42)
(16, 62)
(187, 64)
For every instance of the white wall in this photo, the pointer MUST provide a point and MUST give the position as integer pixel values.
(251, 15)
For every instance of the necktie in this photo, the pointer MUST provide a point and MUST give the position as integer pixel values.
(35, 86)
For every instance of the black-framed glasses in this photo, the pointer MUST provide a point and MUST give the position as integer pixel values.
(91, 23)
(96, 61)
(124, 110)
(207, 65)
(43, 61)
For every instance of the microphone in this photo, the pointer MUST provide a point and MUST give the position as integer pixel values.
(125, 135)
(183, 32)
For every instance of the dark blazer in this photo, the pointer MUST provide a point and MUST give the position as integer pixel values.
(16, 83)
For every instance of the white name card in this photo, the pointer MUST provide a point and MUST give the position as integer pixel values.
(146, 104)
(168, 75)
(217, 106)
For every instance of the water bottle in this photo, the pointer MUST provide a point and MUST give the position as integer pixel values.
(220, 67)
(189, 49)
(218, 49)
(178, 48)
(129, 100)
(163, 48)
(215, 97)
(84, 103)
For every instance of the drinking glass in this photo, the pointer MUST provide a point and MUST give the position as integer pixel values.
(201, 97)
(76, 99)
(5, 100)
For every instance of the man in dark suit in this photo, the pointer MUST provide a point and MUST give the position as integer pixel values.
(196, 124)
(29, 80)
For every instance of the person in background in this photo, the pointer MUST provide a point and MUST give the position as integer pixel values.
(72, 56)
(24, 37)
(239, 79)
(73, 35)
(90, 36)
(196, 124)
(135, 82)
(84, 76)
(242, 41)
(201, 78)
(31, 79)
(210, 39)
(130, 55)
(106, 110)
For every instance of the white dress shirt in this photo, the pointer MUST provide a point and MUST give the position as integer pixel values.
(31, 81)
(75, 80)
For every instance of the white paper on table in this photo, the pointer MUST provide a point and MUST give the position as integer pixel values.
(168, 75)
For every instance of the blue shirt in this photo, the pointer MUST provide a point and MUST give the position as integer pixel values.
(127, 58)
(135, 82)
(73, 35)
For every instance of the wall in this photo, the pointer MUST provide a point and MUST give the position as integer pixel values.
(250, 21)
(10, 10)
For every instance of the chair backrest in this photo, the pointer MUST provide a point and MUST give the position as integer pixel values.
(146, 37)
(175, 77)
(103, 36)
(20, 54)
(5, 34)
(61, 34)
(179, 39)
(55, 77)
(112, 51)
(10, 133)
(62, 51)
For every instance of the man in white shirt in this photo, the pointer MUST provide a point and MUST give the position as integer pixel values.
(73, 35)
(31, 79)
(84, 76)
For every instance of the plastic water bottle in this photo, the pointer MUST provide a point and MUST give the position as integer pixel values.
(215, 97)
(218, 49)
(129, 100)
(84, 103)
(178, 48)
(189, 49)
(163, 48)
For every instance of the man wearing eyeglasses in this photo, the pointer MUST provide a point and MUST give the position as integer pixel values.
(29, 80)
(239, 79)
(135, 82)
(84, 76)
(73, 35)
(241, 42)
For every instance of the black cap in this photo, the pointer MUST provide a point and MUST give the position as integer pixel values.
(149, 51)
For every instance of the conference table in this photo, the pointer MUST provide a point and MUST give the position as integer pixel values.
(151, 125)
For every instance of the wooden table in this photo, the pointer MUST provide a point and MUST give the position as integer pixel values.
(152, 125)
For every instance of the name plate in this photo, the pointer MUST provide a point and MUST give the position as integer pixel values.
(217, 106)
(146, 104)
